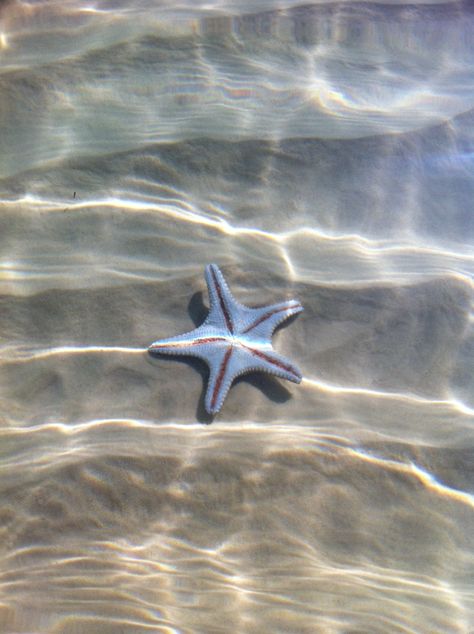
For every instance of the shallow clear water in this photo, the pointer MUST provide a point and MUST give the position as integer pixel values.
(323, 152)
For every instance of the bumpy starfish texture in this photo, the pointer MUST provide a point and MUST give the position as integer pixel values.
(233, 340)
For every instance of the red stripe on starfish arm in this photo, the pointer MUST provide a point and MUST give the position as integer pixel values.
(184, 344)
(269, 359)
(225, 312)
(220, 377)
(268, 315)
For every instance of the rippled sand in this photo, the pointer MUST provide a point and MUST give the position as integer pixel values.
(322, 152)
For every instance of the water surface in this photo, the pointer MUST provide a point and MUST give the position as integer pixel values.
(322, 152)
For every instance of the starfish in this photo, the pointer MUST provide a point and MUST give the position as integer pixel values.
(233, 340)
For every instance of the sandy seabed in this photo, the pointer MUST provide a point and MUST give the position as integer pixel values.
(322, 152)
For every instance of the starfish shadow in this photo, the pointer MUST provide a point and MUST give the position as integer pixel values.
(268, 385)
(197, 309)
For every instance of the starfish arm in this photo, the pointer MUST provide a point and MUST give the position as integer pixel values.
(221, 375)
(190, 343)
(228, 362)
(263, 360)
(224, 309)
(260, 323)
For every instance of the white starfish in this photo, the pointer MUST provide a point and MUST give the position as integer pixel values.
(233, 340)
